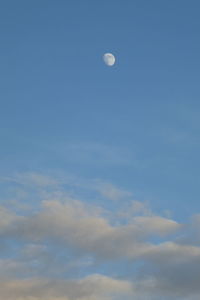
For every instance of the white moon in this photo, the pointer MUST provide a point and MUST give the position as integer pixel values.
(109, 59)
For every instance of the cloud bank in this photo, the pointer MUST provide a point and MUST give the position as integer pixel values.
(61, 246)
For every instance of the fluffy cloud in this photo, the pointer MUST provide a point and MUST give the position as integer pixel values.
(72, 225)
(51, 250)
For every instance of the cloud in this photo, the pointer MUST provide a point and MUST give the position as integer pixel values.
(156, 224)
(111, 192)
(93, 287)
(74, 225)
(96, 154)
(31, 179)
(7, 218)
(71, 248)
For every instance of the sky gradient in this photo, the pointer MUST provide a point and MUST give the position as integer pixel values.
(99, 177)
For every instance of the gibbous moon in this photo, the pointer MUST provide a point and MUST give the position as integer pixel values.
(109, 59)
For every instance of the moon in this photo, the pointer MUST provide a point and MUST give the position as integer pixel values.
(109, 59)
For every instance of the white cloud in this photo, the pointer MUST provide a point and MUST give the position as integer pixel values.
(156, 225)
(111, 192)
(73, 225)
(32, 179)
(66, 238)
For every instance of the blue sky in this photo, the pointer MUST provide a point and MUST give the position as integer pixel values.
(112, 138)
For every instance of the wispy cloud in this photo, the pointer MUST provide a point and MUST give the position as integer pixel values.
(96, 154)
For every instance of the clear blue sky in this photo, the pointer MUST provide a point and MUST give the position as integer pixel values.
(55, 91)
(135, 125)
